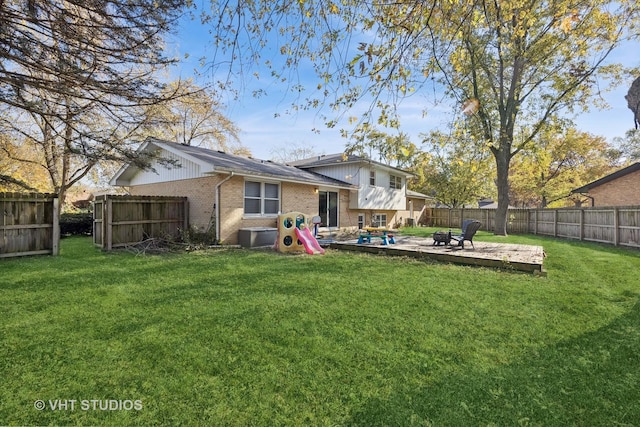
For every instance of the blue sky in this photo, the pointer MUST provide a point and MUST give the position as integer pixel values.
(263, 133)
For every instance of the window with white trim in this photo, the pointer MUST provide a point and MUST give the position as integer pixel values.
(261, 198)
(395, 182)
(372, 178)
(379, 220)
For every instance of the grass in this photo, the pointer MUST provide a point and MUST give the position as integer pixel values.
(239, 337)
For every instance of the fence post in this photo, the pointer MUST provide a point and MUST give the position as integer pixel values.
(107, 218)
(185, 204)
(103, 224)
(55, 233)
(581, 224)
(616, 226)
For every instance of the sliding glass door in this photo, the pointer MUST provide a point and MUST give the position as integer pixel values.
(328, 208)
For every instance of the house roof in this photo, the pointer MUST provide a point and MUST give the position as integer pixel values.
(608, 178)
(213, 162)
(416, 195)
(339, 158)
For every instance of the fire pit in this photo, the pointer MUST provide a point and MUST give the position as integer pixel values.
(441, 237)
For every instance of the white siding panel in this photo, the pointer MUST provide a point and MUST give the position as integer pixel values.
(383, 179)
(185, 169)
(348, 173)
(381, 198)
(378, 197)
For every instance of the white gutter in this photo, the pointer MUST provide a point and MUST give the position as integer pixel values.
(216, 206)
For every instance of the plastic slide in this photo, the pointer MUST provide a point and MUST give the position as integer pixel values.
(309, 242)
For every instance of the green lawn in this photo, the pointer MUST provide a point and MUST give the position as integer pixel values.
(239, 337)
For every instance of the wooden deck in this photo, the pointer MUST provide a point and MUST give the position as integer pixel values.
(527, 258)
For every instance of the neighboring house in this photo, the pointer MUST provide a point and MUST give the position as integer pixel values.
(620, 188)
(490, 204)
(487, 204)
(232, 192)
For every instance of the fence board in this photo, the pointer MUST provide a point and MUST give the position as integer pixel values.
(619, 226)
(125, 220)
(29, 224)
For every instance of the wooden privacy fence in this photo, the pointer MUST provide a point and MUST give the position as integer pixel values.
(29, 224)
(619, 226)
(126, 220)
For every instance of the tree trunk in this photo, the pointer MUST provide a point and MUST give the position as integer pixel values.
(502, 157)
(633, 101)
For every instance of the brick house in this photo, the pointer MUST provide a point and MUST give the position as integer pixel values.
(234, 192)
(620, 188)
(382, 198)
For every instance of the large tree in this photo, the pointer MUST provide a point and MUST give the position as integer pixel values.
(629, 145)
(25, 175)
(291, 152)
(633, 101)
(193, 117)
(453, 168)
(559, 161)
(521, 62)
(66, 150)
(81, 72)
(110, 49)
(395, 150)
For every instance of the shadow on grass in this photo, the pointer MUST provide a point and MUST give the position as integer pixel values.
(590, 380)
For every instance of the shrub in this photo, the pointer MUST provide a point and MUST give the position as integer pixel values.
(76, 224)
(195, 238)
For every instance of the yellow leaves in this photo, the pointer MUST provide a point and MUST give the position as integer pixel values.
(383, 119)
(333, 8)
(470, 106)
(21, 161)
(566, 24)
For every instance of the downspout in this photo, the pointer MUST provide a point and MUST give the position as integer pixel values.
(216, 206)
(593, 200)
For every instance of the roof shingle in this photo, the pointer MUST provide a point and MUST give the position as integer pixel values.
(224, 162)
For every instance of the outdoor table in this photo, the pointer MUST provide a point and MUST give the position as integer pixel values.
(376, 232)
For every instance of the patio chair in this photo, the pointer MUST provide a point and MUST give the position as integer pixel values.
(469, 228)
